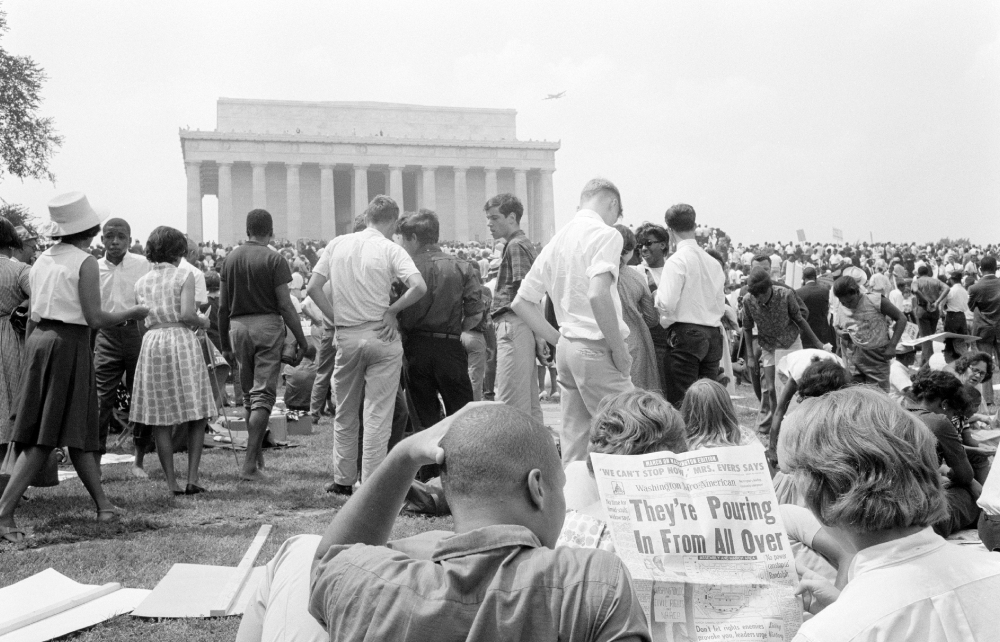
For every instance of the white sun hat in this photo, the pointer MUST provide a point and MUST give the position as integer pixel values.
(72, 213)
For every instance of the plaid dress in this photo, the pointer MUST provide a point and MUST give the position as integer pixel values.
(171, 379)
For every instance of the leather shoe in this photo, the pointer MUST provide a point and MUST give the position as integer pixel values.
(339, 489)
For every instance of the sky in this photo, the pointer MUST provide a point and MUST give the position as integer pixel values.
(881, 119)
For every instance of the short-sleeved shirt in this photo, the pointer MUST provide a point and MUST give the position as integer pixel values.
(453, 293)
(518, 256)
(929, 288)
(795, 363)
(118, 281)
(584, 248)
(249, 277)
(491, 583)
(776, 321)
(361, 268)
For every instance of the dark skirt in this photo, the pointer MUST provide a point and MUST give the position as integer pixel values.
(57, 402)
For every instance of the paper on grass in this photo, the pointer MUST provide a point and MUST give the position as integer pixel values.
(190, 590)
(50, 587)
(702, 537)
(106, 460)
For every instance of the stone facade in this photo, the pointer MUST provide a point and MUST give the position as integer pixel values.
(316, 165)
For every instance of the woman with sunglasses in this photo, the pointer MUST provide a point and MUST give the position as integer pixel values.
(652, 244)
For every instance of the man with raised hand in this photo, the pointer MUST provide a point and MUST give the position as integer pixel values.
(499, 576)
(116, 349)
(579, 271)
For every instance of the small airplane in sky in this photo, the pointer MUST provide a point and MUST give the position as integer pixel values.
(554, 96)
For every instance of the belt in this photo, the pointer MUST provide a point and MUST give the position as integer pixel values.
(435, 335)
(168, 324)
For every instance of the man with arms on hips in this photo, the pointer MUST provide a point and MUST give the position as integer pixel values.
(254, 310)
(579, 271)
(116, 348)
(499, 576)
(432, 328)
(691, 300)
(361, 268)
(517, 345)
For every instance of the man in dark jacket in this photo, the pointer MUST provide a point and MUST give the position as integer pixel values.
(817, 300)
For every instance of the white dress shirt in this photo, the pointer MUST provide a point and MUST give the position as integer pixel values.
(200, 289)
(692, 288)
(584, 248)
(118, 281)
(918, 587)
(360, 268)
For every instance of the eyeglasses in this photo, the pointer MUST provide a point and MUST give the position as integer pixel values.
(976, 372)
(647, 243)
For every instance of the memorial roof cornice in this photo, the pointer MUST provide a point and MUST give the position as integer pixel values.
(365, 105)
(194, 134)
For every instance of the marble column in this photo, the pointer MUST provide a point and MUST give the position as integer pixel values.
(327, 210)
(259, 186)
(461, 206)
(360, 190)
(429, 200)
(491, 183)
(548, 213)
(227, 225)
(521, 192)
(194, 224)
(293, 202)
(396, 185)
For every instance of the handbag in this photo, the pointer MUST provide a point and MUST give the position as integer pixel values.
(19, 321)
(289, 351)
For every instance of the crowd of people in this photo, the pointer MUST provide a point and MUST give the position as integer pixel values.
(643, 333)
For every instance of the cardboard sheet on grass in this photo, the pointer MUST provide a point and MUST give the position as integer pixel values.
(197, 591)
(60, 606)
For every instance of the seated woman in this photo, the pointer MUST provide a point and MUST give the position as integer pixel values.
(975, 369)
(710, 417)
(938, 398)
(631, 423)
(868, 468)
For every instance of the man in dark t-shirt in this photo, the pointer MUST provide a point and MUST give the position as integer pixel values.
(254, 309)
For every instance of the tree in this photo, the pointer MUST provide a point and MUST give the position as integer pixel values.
(19, 215)
(27, 140)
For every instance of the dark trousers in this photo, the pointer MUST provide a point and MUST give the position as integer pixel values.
(116, 351)
(436, 367)
(693, 352)
(927, 321)
(989, 342)
(490, 378)
(954, 322)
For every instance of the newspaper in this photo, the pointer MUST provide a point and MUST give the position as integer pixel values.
(702, 536)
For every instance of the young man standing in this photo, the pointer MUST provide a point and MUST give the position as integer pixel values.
(984, 301)
(436, 360)
(361, 268)
(116, 349)
(254, 310)
(691, 301)
(930, 294)
(579, 271)
(517, 346)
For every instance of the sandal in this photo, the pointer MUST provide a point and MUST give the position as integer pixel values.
(13, 534)
(110, 514)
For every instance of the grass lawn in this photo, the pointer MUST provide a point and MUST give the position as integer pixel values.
(214, 528)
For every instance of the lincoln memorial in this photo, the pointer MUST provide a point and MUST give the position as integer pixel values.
(315, 166)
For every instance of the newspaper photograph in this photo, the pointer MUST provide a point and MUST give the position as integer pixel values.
(702, 536)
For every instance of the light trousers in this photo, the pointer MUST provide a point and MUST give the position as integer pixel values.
(517, 382)
(475, 347)
(369, 367)
(586, 375)
(325, 362)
